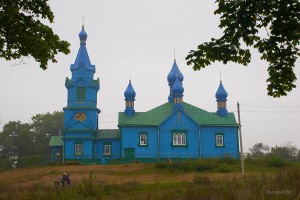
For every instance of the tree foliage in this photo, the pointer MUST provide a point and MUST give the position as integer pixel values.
(16, 142)
(23, 32)
(19, 141)
(286, 151)
(259, 149)
(44, 126)
(242, 23)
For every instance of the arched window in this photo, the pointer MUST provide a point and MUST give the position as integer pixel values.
(183, 139)
(175, 139)
(179, 138)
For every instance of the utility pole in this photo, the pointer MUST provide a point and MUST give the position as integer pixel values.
(241, 141)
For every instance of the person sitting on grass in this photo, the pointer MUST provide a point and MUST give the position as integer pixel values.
(63, 180)
(68, 180)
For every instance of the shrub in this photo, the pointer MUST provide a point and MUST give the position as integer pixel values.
(195, 164)
(224, 168)
(181, 165)
(273, 161)
(228, 160)
(204, 165)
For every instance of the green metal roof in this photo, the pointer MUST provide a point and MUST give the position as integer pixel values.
(203, 117)
(151, 118)
(159, 114)
(56, 141)
(108, 134)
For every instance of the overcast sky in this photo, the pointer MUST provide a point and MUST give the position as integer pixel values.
(136, 39)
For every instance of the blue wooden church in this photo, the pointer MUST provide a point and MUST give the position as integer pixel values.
(173, 130)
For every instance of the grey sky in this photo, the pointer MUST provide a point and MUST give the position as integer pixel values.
(135, 39)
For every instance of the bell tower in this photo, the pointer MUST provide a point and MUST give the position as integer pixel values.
(81, 112)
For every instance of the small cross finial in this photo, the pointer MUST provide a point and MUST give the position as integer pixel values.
(220, 76)
(82, 21)
(174, 54)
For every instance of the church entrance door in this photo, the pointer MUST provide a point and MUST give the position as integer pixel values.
(129, 155)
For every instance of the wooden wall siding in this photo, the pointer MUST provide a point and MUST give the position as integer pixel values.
(208, 144)
(71, 123)
(130, 139)
(181, 121)
(115, 148)
(87, 149)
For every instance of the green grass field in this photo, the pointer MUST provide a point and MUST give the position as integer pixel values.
(189, 179)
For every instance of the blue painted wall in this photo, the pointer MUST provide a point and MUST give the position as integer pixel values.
(91, 121)
(130, 139)
(115, 149)
(195, 148)
(69, 149)
(179, 120)
(208, 144)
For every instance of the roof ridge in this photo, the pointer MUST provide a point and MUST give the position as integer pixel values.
(157, 115)
(211, 117)
(146, 116)
(195, 107)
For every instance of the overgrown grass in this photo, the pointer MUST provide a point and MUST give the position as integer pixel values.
(283, 184)
(225, 165)
(218, 165)
(271, 180)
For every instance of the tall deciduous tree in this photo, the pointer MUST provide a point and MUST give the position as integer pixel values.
(241, 22)
(22, 32)
(259, 150)
(286, 151)
(16, 141)
(44, 126)
(22, 143)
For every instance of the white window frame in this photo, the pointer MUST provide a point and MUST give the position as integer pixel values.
(179, 139)
(219, 140)
(78, 149)
(143, 139)
(107, 149)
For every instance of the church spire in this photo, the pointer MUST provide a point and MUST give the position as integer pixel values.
(82, 88)
(221, 96)
(129, 95)
(82, 61)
